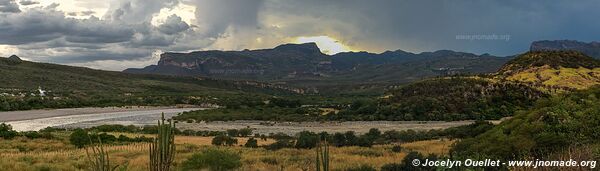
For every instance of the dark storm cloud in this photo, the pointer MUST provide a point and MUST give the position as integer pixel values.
(28, 2)
(215, 16)
(40, 25)
(426, 25)
(9, 6)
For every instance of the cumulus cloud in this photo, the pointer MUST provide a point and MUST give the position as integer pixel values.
(9, 6)
(173, 25)
(135, 11)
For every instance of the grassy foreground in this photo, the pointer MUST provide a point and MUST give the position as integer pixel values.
(57, 154)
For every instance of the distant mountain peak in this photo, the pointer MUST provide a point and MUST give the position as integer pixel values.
(310, 47)
(591, 49)
(14, 57)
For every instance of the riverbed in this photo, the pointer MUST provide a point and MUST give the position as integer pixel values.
(34, 120)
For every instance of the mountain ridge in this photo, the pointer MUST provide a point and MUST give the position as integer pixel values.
(591, 49)
(305, 64)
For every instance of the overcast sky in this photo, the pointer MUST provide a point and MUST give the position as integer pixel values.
(117, 34)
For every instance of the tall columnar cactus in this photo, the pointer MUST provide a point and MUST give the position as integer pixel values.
(322, 156)
(162, 149)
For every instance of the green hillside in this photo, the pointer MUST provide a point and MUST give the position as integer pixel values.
(68, 86)
(449, 98)
(553, 125)
(553, 70)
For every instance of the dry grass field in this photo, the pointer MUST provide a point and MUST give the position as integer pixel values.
(41, 154)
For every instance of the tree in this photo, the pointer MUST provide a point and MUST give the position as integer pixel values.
(307, 139)
(339, 139)
(6, 131)
(79, 138)
(233, 132)
(364, 141)
(244, 132)
(351, 138)
(214, 160)
(219, 140)
(251, 143)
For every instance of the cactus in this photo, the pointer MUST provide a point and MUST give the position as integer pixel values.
(162, 149)
(98, 157)
(322, 156)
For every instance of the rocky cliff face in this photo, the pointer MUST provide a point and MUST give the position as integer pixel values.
(591, 49)
(304, 63)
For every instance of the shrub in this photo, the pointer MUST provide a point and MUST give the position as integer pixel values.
(280, 143)
(6, 131)
(364, 141)
(214, 160)
(244, 132)
(79, 138)
(339, 139)
(31, 134)
(223, 140)
(233, 132)
(307, 139)
(251, 143)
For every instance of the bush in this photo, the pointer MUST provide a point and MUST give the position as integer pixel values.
(6, 131)
(214, 160)
(233, 132)
(220, 140)
(79, 138)
(244, 132)
(31, 134)
(339, 139)
(307, 140)
(280, 143)
(251, 143)
(364, 141)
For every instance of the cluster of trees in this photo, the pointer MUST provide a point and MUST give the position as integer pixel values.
(454, 98)
(151, 129)
(552, 125)
(265, 112)
(308, 140)
(6, 132)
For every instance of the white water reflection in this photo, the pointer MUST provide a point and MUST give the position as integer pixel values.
(125, 118)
